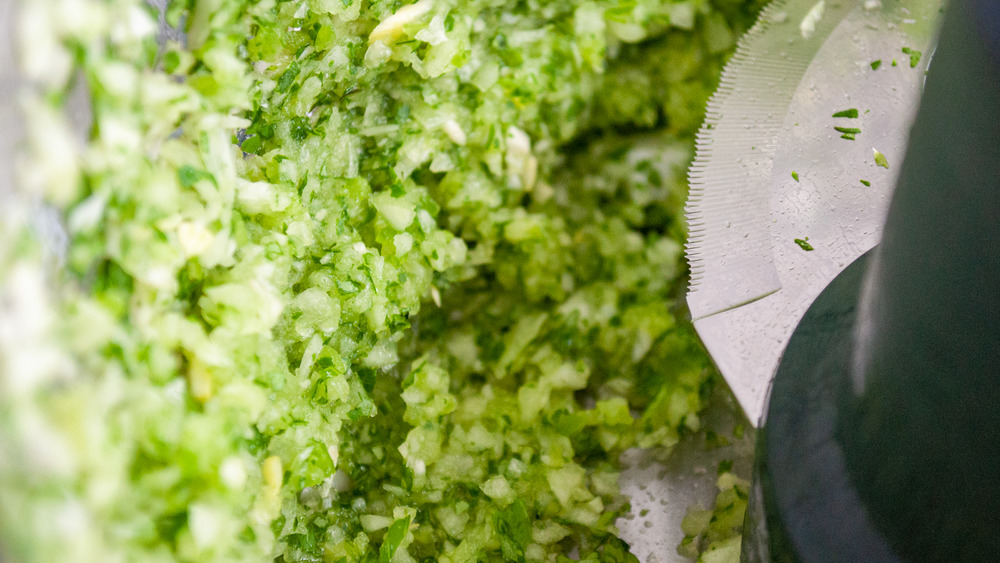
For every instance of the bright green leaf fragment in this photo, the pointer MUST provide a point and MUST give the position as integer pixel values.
(850, 113)
(393, 538)
(795, 175)
(513, 527)
(252, 145)
(894, 62)
(866, 183)
(804, 244)
(914, 56)
(288, 77)
(880, 159)
(876, 64)
(189, 176)
(848, 132)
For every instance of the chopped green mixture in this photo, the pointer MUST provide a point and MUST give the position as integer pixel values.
(804, 244)
(714, 534)
(349, 280)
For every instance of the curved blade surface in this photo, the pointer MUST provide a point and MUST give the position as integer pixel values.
(771, 169)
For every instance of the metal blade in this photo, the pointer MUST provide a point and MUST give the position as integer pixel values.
(771, 116)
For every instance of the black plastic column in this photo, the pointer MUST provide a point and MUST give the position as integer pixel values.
(921, 423)
(882, 437)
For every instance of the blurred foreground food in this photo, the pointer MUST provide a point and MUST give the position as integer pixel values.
(347, 280)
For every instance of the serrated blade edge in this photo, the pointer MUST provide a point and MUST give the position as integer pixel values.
(729, 199)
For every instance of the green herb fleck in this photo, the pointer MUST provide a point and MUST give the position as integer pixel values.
(804, 244)
(288, 77)
(866, 183)
(725, 466)
(300, 129)
(851, 113)
(513, 527)
(894, 62)
(393, 538)
(171, 62)
(876, 64)
(880, 159)
(252, 145)
(914, 56)
(848, 132)
(795, 176)
(189, 176)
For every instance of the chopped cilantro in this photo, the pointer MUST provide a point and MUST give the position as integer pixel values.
(804, 244)
(850, 113)
(188, 176)
(880, 159)
(914, 56)
(252, 145)
(876, 63)
(513, 528)
(795, 175)
(866, 183)
(394, 537)
(287, 78)
(849, 133)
